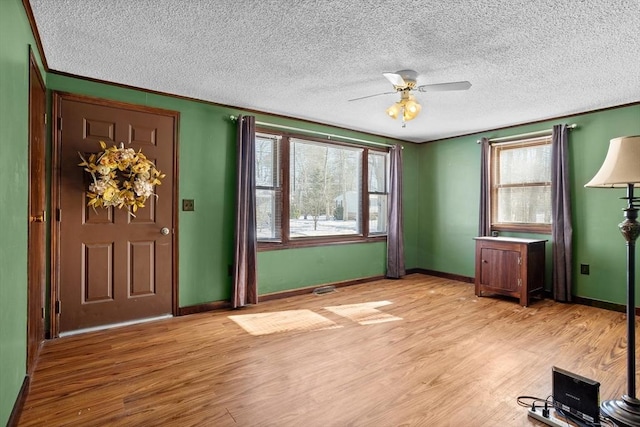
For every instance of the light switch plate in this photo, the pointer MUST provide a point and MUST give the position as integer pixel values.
(584, 269)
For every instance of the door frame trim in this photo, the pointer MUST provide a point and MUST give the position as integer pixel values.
(57, 98)
(37, 255)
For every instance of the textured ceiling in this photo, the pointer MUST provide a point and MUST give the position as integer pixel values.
(527, 60)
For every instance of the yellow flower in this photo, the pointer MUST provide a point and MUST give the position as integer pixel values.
(141, 167)
(109, 193)
(103, 170)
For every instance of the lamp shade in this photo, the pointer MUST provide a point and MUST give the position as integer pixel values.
(622, 164)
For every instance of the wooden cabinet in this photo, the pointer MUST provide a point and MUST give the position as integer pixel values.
(510, 266)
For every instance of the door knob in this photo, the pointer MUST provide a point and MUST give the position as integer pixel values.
(164, 231)
(39, 218)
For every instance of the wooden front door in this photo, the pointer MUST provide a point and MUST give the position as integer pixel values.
(37, 214)
(114, 267)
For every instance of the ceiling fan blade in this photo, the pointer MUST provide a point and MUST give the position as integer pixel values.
(395, 79)
(438, 87)
(371, 96)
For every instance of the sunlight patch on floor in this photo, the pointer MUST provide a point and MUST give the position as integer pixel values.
(365, 313)
(283, 321)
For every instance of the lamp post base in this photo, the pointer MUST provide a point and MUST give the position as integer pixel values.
(625, 412)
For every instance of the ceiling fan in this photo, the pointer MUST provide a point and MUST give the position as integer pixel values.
(404, 82)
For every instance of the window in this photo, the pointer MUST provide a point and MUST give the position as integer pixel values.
(312, 192)
(268, 187)
(324, 189)
(378, 192)
(521, 185)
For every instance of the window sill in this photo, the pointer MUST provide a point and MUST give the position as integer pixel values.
(313, 242)
(523, 228)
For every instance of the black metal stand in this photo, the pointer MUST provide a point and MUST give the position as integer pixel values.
(625, 411)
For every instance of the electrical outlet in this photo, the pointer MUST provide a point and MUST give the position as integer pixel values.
(584, 269)
(188, 205)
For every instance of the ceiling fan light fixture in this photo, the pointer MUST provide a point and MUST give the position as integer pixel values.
(407, 108)
(394, 110)
(411, 108)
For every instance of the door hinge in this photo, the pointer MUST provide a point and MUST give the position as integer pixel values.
(519, 282)
(58, 307)
(59, 214)
(45, 118)
(519, 260)
(42, 312)
(59, 123)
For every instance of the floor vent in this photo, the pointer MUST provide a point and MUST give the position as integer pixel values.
(324, 289)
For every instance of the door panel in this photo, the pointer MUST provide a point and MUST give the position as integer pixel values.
(114, 267)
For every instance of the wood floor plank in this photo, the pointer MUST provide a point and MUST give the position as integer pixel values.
(454, 359)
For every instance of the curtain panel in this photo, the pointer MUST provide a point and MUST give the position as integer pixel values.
(561, 228)
(395, 240)
(484, 223)
(245, 287)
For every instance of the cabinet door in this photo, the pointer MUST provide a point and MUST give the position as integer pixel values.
(500, 269)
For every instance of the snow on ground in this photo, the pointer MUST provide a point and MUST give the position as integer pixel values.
(326, 227)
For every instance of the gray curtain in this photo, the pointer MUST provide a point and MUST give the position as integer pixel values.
(484, 224)
(561, 228)
(245, 288)
(395, 239)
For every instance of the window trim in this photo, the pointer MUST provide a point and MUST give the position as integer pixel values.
(286, 242)
(521, 227)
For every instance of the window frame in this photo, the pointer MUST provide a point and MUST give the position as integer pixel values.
(494, 167)
(285, 241)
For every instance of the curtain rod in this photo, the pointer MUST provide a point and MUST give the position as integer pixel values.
(528, 134)
(328, 135)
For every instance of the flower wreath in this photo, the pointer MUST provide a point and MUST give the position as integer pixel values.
(121, 177)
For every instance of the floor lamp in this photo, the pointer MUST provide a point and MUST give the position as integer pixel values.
(621, 168)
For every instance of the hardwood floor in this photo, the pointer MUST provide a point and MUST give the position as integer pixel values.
(454, 359)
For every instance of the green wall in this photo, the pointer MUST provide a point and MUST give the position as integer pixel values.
(15, 38)
(448, 205)
(412, 195)
(450, 190)
(318, 265)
